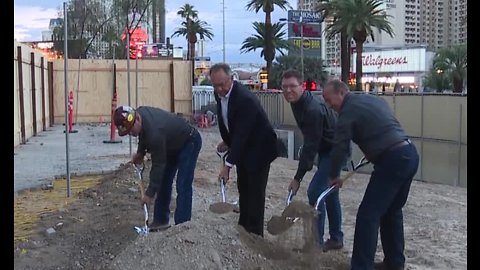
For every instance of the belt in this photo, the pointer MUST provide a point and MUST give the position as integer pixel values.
(398, 145)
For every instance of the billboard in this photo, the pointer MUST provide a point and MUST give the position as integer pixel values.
(308, 23)
(407, 60)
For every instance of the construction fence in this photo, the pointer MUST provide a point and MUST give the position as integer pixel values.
(436, 124)
(39, 89)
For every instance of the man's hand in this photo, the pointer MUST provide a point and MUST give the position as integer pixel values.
(224, 174)
(137, 158)
(336, 182)
(222, 147)
(147, 200)
(294, 186)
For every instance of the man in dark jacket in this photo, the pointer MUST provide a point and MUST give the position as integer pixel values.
(174, 146)
(251, 141)
(369, 122)
(317, 123)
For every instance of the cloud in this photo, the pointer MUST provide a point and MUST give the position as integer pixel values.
(30, 21)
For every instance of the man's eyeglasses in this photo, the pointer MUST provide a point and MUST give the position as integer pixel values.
(289, 86)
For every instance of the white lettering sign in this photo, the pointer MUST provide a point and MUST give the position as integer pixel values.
(406, 60)
(370, 60)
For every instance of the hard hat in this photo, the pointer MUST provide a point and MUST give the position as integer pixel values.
(124, 118)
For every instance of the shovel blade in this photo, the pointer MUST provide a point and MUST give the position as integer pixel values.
(221, 207)
(278, 225)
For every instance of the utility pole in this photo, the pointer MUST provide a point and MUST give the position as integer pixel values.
(223, 12)
(128, 83)
(301, 44)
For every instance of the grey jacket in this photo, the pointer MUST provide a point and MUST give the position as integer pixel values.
(163, 135)
(317, 123)
(369, 122)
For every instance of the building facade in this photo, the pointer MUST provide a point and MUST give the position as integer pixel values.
(386, 68)
(431, 23)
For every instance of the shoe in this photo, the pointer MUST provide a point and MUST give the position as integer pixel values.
(384, 266)
(156, 226)
(332, 244)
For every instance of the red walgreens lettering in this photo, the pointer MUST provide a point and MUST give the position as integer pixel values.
(379, 61)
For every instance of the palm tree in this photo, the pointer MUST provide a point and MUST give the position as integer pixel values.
(359, 18)
(257, 41)
(327, 9)
(268, 7)
(452, 61)
(313, 68)
(191, 27)
(436, 79)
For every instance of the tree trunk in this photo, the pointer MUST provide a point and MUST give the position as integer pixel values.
(268, 52)
(154, 21)
(457, 85)
(344, 57)
(359, 68)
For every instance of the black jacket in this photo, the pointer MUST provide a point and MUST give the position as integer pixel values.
(317, 123)
(251, 138)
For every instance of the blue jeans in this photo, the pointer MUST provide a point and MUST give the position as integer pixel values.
(381, 207)
(185, 163)
(319, 184)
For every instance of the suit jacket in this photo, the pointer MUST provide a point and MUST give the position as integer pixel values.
(251, 139)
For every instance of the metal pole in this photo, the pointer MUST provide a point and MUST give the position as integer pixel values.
(223, 12)
(128, 82)
(421, 135)
(136, 83)
(301, 44)
(457, 183)
(136, 89)
(65, 79)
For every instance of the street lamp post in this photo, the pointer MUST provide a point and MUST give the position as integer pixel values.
(301, 44)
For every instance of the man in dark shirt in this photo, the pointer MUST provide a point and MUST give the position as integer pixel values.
(317, 123)
(174, 146)
(251, 141)
(369, 122)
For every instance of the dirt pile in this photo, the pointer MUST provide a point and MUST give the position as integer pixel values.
(97, 230)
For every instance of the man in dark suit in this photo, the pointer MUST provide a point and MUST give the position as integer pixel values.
(251, 141)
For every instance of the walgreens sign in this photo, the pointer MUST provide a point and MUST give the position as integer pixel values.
(408, 60)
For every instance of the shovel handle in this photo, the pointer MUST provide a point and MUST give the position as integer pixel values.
(363, 161)
(222, 189)
(290, 197)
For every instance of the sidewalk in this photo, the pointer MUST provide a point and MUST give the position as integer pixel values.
(43, 157)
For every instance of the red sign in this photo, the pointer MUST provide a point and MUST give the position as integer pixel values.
(136, 35)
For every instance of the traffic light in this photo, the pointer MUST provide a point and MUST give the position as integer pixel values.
(264, 76)
(310, 85)
(132, 52)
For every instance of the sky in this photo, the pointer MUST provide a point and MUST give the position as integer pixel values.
(31, 17)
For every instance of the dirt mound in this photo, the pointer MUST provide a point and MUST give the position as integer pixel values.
(216, 242)
(97, 228)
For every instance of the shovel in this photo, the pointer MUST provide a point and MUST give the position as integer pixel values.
(290, 215)
(142, 230)
(329, 190)
(279, 224)
(222, 207)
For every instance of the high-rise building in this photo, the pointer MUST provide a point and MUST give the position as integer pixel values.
(431, 23)
(156, 21)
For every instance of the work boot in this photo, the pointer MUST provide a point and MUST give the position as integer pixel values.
(156, 226)
(332, 244)
(385, 266)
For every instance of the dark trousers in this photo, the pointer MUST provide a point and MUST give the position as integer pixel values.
(381, 207)
(184, 163)
(251, 189)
